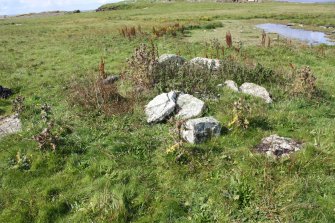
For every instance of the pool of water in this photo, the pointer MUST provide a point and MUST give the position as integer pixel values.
(311, 37)
(307, 1)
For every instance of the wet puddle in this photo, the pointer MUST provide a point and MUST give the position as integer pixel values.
(311, 37)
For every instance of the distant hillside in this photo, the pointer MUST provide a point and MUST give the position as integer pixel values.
(121, 6)
(141, 4)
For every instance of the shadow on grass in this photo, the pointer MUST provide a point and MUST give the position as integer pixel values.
(260, 122)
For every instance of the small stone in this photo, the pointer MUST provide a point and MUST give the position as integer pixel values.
(110, 79)
(231, 85)
(256, 90)
(201, 129)
(189, 106)
(212, 64)
(9, 125)
(277, 146)
(161, 107)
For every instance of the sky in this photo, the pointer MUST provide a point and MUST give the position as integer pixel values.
(13, 7)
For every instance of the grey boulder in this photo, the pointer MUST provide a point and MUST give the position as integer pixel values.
(9, 125)
(166, 59)
(277, 146)
(189, 107)
(212, 64)
(256, 90)
(199, 130)
(161, 107)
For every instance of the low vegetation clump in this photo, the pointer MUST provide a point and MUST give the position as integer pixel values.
(142, 67)
(93, 95)
(241, 111)
(304, 83)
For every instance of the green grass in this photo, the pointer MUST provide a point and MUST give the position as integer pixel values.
(116, 169)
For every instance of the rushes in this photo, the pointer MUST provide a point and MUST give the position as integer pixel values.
(263, 38)
(102, 72)
(229, 40)
(266, 40)
(168, 30)
(130, 32)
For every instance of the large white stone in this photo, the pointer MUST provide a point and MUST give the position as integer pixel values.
(212, 64)
(256, 90)
(189, 107)
(275, 145)
(166, 59)
(9, 125)
(200, 129)
(161, 107)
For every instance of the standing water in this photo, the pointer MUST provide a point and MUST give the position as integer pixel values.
(311, 37)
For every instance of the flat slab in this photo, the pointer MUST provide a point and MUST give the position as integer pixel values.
(9, 125)
(277, 146)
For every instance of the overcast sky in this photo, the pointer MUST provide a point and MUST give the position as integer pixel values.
(12, 7)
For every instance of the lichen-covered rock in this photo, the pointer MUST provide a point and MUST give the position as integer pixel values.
(161, 107)
(275, 145)
(256, 90)
(200, 129)
(189, 107)
(9, 125)
(212, 64)
(231, 85)
(166, 59)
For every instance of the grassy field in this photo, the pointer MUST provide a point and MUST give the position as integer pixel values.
(115, 168)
